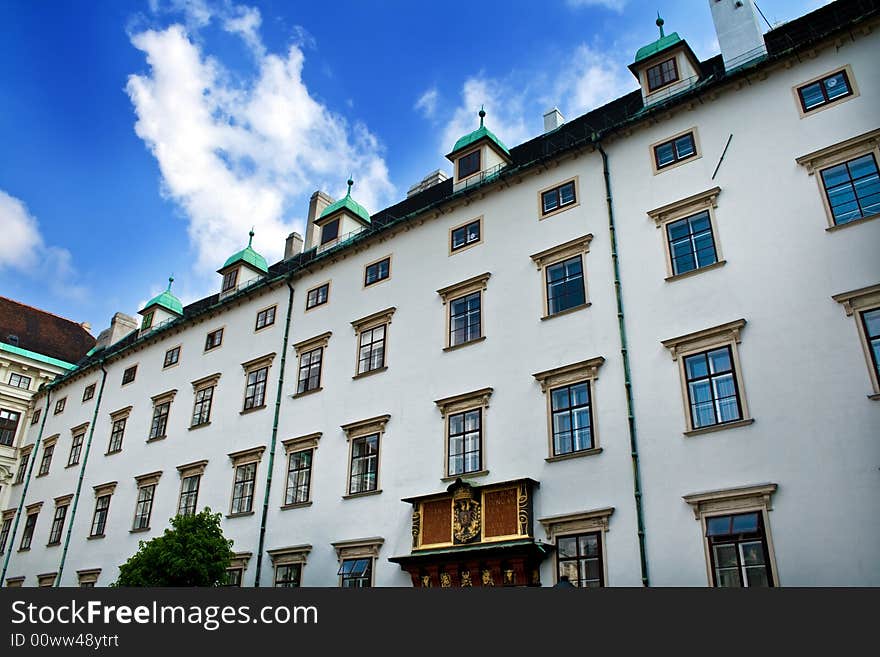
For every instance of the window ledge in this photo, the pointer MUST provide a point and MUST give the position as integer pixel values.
(862, 220)
(297, 505)
(465, 475)
(875, 396)
(365, 493)
(42, 474)
(692, 272)
(70, 465)
(306, 393)
(719, 427)
(94, 537)
(251, 409)
(465, 344)
(118, 451)
(55, 544)
(573, 455)
(370, 373)
(139, 531)
(567, 311)
(155, 439)
(239, 515)
(560, 209)
(198, 426)
(24, 549)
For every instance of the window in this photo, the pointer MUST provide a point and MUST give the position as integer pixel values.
(356, 573)
(102, 509)
(674, 151)
(287, 575)
(29, 525)
(300, 453)
(579, 559)
(117, 430)
(864, 305)
(88, 578)
(265, 318)
(172, 356)
(5, 528)
(330, 231)
(233, 577)
(129, 374)
(89, 392)
(289, 564)
(466, 235)
(19, 381)
(34, 418)
(464, 418)
(245, 464)
(160, 420)
(356, 561)
(468, 164)
(58, 520)
(372, 332)
(311, 357)
(190, 480)
(557, 198)
(562, 270)
(203, 391)
(662, 74)
(255, 390)
(317, 296)
(9, 425)
(23, 463)
(46, 461)
(213, 339)
(377, 271)
(230, 278)
(363, 463)
(237, 565)
(143, 508)
(712, 386)
(464, 319)
(871, 326)
(75, 449)
(825, 90)
(147, 322)
(59, 405)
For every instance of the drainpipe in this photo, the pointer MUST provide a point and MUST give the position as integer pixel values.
(82, 472)
(24, 490)
(627, 379)
(278, 398)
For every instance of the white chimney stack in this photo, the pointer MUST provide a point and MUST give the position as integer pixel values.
(552, 120)
(739, 33)
(293, 246)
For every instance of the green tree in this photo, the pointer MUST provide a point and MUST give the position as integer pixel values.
(192, 552)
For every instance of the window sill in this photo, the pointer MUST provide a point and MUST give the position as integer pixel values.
(41, 474)
(574, 455)
(559, 210)
(70, 465)
(118, 451)
(465, 344)
(199, 426)
(55, 544)
(875, 396)
(692, 272)
(24, 549)
(465, 475)
(837, 227)
(567, 311)
(239, 515)
(365, 493)
(370, 373)
(155, 439)
(306, 393)
(719, 427)
(139, 531)
(252, 409)
(94, 537)
(297, 505)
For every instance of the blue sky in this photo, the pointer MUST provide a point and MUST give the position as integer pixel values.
(142, 138)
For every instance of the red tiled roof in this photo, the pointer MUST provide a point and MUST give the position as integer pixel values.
(43, 332)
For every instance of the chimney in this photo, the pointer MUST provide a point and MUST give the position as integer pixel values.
(738, 30)
(293, 245)
(317, 203)
(434, 178)
(553, 119)
(86, 327)
(120, 326)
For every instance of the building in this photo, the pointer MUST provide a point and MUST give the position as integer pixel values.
(639, 349)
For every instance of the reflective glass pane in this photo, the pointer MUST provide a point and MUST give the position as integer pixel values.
(590, 569)
(566, 193)
(836, 86)
(834, 176)
(719, 360)
(757, 576)
(872, 322)
(589, 545)
(696, 366)
(684, 146)
(745, 523)
(725, 555)
(549, 201)
(567, 547)
(728, 578)
(753, 553)
(719, 526)
(559, 396)
(580, 394)
(677, 229)
(812, 95)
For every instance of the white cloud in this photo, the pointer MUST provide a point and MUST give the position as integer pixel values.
(614, 5)
(592, 79)
(25, 250)
(427, 103)
(234, 154)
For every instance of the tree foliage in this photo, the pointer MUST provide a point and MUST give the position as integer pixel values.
(192, 552)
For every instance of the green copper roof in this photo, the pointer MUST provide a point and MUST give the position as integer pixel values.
(33, 355)
(166, 300)
(347, 203)
(248, 256)
(477, 135)
(662, 43)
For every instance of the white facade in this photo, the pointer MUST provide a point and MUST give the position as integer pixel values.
(805, 453)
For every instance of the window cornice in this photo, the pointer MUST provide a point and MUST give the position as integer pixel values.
(105, 489)
(33, 508)
(258, 363)
(581, 521)
(838, 152)
(289, 555)
(313, 342)
(50, 441)
(245, 456)
(467, 400)
(79, 428)
(163, 397)
(121, 413)
(686, 206)
(148, 479)
(365, 427)
(358, 548)
(375, 319)
(63, 500)
(731, 499)
(206, 381)
(194, 468)
(865, 297)
(574, 247)
(473, 284)
(729, 332)
(585, 369)
(309, 441)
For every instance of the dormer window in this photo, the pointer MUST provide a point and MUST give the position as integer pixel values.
(662, 74)
(665, 67)
(330, 231)
(148, 321)
(478, 157)
(160, 310)
(242, 269)
(230, 278)
(469, 164)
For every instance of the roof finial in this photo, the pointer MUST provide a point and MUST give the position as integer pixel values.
(251, 237)
(660, 22)
(482, 114)
(350, 183)
(170, 281)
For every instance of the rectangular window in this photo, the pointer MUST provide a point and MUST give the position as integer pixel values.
(202, 406)
(712, 388)
(691, 243)
(189, 495)
(468, 164)
(299, 477)
(465, 235)
(662, 74)
(824, 91)
(377, 271)
(46, 461)
(57, 525)
(364, 464)
(243, 489)
(144, 507)
(75, 449)
(34, 418)
(4, 533)
(59, 405)
(28, 534)
(89, 392)
(288, 575)
(579, 559)
(255, 390)
(9, 426)
(160, 420)
(309, 370)
(852, 189)
(20, 381)
(465, 442)
(571, 408)
(464, 319)
(99, 519)
(213, 339)
(233, 577)
(371, 349)
(171, 357)
(129, 374)
(565, 285)
(674, 150)
(738, 550)
(330, 231)
(317, 296)
(116, 434)
(22, 468)
(871, 324)
(147, 322)
(265, 318)
(356, 573)
(558, 197)
(230, 278)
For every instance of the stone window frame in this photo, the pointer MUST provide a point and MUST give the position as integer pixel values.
(308, 442)
(329, 284)
(24, 458)
(158, 400)
(456, 291)
(119, 415)
(241, 458)
(824, 158)
(727, 501)
(49, 442)
(468, 401)
(359, 548)
(846, 69)
(290, 555)
(359, 429)
(698, 150)
(305, 346)
(35, 415)
(273, 307)
(78, 430)
(222, 330)
(88, 577)
(15, 582)
(464, 224)
(7, 515)
(562, 208)
(62, 501)
(567, 375)
(723, 335)
(145, 481)
(254, 365)
(196, 468)
(687, 207)
(579, 246)
(30, 510)
(378, 281)
(59, 406)
(88, 392)
(198, 385)
(579, 522)
(102, 490)
(855, 303)
(372, 321)
(46, 580)
(239, 561)
(130, 368)
(179, 348)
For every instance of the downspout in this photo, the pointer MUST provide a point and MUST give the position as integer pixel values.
(272, 444)
(82, 472)
(24, 490)
(627, 378)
